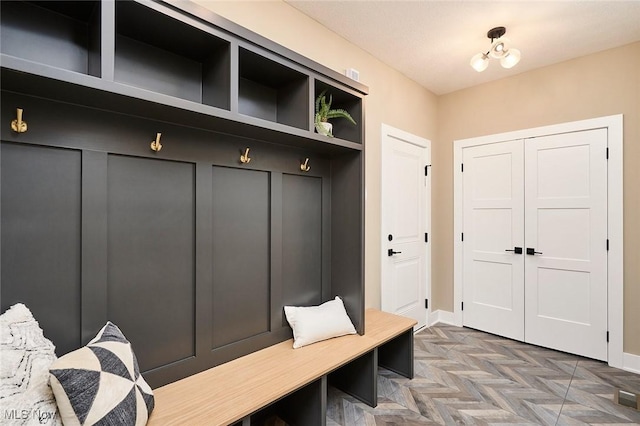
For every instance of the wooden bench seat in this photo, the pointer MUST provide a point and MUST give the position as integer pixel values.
(231, 392)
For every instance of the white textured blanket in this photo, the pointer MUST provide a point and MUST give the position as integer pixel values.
(25, 357)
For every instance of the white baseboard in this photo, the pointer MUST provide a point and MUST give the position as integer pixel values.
(440, 316)
(631, 363)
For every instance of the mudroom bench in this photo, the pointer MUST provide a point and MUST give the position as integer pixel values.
(290, 383)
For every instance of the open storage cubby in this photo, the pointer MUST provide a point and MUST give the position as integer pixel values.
(351, 103)
(272, 91)
(165, 55)
(61, 34)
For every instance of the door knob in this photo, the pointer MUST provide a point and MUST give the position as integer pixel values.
(516, 250)
(390, 252)
(532, 251)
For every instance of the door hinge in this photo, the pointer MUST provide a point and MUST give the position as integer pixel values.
(462, 306)
(462, 167)
(426, 169)
(607, 244)
(462, 236)
(426, 303)
(607, 337)
(426, 237)
(607, 153)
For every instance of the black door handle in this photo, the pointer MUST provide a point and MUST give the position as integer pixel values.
(532, 251)
(390, 252)
(516, 250)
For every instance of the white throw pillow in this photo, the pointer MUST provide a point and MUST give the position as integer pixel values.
(315, 323)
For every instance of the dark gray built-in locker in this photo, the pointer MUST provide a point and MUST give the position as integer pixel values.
(190, 251)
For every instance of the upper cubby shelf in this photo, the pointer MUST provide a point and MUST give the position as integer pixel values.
(341, 99)
(161, 54)
(272, 91)
(61, 34)
(173, 61)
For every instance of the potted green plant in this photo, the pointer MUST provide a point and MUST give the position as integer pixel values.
(324, 113)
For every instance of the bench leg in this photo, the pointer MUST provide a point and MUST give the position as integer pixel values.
(306, 406)
(397, 355)
(359, 378)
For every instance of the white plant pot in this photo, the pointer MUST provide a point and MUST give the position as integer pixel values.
(325, 128)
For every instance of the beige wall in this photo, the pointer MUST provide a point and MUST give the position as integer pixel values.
(393, 98)
(601, 84)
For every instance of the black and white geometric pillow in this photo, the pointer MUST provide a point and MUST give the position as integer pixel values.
(101, 383)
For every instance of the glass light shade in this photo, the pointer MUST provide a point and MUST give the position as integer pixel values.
(479, 62)
(510, 59)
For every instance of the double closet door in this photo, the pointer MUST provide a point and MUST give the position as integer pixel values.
(535, 240)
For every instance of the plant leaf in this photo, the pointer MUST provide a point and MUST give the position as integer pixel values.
(340, 113)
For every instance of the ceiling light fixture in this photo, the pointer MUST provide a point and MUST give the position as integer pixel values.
(499, 50)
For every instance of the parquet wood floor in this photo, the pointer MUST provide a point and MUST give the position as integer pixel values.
(468, 377)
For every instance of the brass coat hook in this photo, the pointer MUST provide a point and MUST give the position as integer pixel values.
(18, 125)
(244, 158)
(305, 166)
(156, 145)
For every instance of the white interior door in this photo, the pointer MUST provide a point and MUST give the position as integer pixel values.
(405, 218)
(566, 225)
(573, 216)
(493, 223)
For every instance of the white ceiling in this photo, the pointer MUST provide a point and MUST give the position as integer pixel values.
(432, 42)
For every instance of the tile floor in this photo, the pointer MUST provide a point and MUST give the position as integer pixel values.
(468, 377)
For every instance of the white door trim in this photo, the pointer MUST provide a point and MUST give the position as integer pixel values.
(392, 132)
(615, 230)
